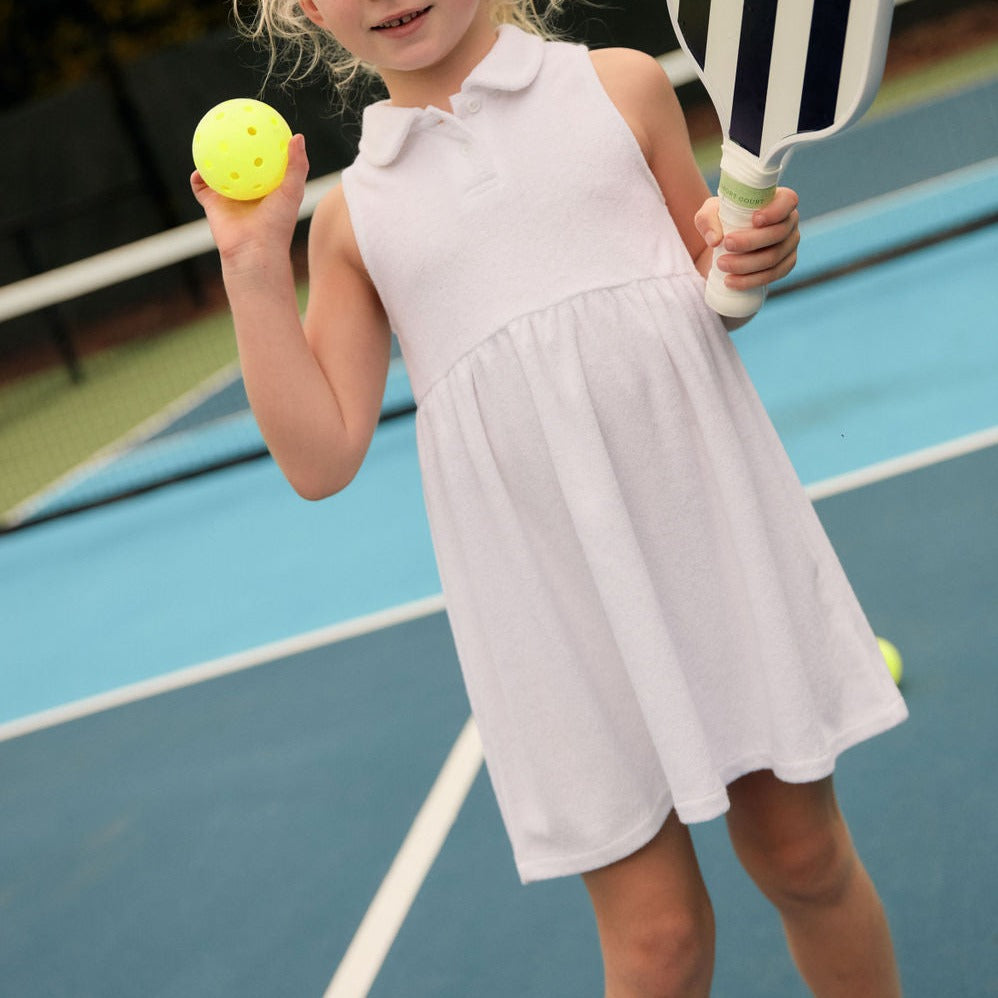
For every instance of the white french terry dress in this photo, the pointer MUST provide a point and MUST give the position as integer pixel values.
(643, 601)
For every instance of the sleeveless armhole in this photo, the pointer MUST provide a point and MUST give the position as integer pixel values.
(355, 217)
(617, 121)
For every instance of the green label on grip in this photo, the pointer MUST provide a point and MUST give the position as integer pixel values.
(744, 196)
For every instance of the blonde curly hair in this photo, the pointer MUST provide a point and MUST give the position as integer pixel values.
(297, 48)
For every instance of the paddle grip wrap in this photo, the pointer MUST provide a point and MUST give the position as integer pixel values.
(739, 199)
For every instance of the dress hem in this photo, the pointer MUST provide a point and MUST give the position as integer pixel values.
(710, 806)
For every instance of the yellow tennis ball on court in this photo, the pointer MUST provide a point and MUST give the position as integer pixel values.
(241, 148)
(892, 657)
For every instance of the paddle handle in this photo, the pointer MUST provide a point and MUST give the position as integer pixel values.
(745, 187)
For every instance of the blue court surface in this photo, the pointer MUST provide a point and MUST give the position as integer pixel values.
(222, 708)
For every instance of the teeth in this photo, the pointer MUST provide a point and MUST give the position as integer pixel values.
(399, 21)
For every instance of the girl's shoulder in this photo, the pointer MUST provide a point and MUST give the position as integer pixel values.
(630, 73)
(330, 218)
(638, 86)
(331, 233)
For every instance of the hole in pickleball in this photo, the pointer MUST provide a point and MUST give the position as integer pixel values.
(234, 175)
(258, 161)
(251, 130)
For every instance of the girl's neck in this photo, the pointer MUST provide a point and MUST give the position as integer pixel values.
(437, 83)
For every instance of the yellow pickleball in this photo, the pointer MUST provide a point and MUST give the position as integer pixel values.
(240, 148)
(892, 657)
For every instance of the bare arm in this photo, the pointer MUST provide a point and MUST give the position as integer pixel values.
(646, 100)
(315, 389)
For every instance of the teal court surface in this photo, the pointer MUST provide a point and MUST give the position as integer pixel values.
(231, 721)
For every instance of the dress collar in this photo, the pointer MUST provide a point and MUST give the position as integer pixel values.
(511, 64)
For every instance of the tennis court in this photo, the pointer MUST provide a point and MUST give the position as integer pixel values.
(222, 708)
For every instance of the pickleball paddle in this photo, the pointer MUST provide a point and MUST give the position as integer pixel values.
(780, 73)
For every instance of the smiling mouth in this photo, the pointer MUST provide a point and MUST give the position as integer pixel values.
(397, 22)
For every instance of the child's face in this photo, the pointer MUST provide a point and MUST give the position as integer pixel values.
(400, 35)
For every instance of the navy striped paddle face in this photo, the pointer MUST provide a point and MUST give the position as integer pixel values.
(783, 71)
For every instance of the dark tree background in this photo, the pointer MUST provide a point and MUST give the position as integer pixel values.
(47, 45)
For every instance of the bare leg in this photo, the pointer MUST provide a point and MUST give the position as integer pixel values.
(793, 841)
(655, 921)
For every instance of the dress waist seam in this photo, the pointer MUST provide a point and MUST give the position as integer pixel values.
(422, 397)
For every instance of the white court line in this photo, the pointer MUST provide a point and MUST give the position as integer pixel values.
(380, 925)
(126, 443)
(914, 461)
(260, 655)
(901, 198)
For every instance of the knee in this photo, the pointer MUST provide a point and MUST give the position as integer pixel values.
(814, 867)
(664, 956)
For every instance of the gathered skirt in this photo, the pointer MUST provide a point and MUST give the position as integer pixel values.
(644, 603)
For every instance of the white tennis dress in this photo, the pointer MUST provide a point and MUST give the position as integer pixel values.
(644, 603)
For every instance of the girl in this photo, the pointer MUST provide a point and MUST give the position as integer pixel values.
(653, 628)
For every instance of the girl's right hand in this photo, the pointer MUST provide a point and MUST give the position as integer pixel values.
(245, 231)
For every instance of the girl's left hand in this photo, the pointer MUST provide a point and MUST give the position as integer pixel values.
(762, 254)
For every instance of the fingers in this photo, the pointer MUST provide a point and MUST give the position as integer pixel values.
(297, 157)
(198, 186)
(783, 204)
(297, 170)
(770, 225)
(768, 250)
(708, 222)
(752, 270)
